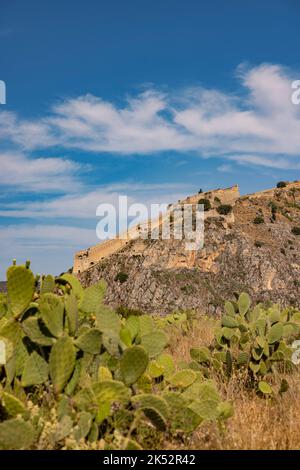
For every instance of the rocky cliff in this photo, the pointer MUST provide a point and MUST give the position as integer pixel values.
(253, 248)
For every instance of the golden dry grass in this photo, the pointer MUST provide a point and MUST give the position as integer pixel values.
(257, 423)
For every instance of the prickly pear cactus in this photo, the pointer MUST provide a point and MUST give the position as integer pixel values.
(32, 328)
(12, 405)
(92, 298)
(61, 362)
(52, 313)
(47, 284)
(258, 339)
(75, 364)
(20, 288)
(154, 342)
(16, 434)
(155, 408)
(36, 370)
(133, 364)
(90, 341)
(183, 378)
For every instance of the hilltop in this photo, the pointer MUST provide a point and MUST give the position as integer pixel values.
(251, 246)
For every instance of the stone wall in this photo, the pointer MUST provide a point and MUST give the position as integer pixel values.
(85, 259)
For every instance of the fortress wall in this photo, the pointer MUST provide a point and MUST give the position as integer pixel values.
(84, 259)
(226, 196)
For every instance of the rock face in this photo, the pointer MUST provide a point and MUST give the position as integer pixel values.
(255, 248)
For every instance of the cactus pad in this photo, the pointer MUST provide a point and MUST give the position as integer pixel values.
(206, 409)
(275, 333)
(16, 434)
(20, 288)
(107, 320)
(52, 313)
(83, 426)
(154, 343)
(155, 408)
(12, 405)
(61, 362)
(183, 378)
(32, 327)
(36, 370)
(71, 313)
(229, 321)
(200, 354)
(132, 325)
(229, 309)
(265, 388)
(90, 341)
(133, 364)
(92, 298)
(244, 303)
(47, 284)
(104, 374)
(146, 324)
(77, 288)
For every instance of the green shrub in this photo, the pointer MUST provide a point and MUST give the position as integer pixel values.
(206, 203)
(296, 231)
(258, 220)
(121, 277)
(224, 209)
(281, 184)
(126, 312)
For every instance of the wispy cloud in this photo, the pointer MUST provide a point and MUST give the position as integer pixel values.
(39, 174)
(261, 120)
(279, 163)
(83, 206)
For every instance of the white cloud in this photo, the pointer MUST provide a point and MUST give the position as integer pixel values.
(83, 206)
(225, 168)
(261, 120)
(257, 160)
(38, 174)
(27, 134)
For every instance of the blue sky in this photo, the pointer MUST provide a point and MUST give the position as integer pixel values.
(149, 99)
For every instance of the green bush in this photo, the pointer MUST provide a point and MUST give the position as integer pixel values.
(126, 312)
(281, 184)
(224, 209)
(296, 231)
(121, 277)
(258, 220)
(206, 203)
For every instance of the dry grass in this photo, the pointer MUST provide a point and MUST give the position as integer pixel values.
(257, 423)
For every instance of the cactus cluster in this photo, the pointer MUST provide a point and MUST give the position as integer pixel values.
(97, 368)
(257, 339)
